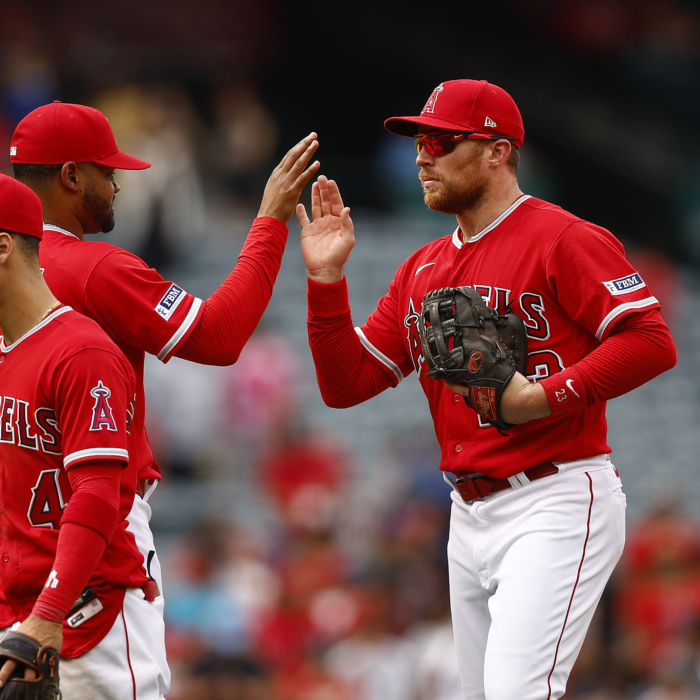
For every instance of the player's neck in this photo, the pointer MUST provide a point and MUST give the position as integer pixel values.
(66, 221)
(474, 220)
(24, 303)
(59, 210)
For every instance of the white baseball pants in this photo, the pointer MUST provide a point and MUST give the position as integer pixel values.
(528, 566)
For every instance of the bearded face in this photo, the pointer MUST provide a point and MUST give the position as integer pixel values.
(98, 204)
(458, 185)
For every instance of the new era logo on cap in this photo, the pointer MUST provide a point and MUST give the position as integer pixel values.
(490, 123)
(13, 150)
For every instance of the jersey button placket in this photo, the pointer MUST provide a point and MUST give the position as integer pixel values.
(6, 558)
(458, 448)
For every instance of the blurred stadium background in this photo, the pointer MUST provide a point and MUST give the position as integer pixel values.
(304, 548)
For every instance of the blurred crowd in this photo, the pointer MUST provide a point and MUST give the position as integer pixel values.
(342, 593)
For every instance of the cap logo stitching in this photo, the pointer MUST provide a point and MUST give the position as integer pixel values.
(430, 104)
(13, 150)
(490, 123)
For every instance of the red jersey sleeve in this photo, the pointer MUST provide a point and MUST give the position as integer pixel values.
(347, 372)
(381, 335)
(594, 283)
(92, 391)
(138, 306)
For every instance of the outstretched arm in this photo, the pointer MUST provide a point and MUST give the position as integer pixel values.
(233, 311)
(347, 374)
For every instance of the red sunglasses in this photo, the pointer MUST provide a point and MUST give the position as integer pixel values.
(439, 144)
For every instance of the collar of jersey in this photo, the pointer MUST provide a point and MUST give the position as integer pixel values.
(58, 229)
(39, 326)
(457, 239)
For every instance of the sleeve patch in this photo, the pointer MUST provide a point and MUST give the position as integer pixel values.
(170, 301)
(625, 285)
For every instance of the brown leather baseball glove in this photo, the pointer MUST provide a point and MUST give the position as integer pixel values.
(466, 342)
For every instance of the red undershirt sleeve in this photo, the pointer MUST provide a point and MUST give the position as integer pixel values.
(233, 311)
(639, 348)
(347, 374)
(80, 546)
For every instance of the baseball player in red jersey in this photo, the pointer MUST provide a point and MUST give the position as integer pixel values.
(67, 484)
(68, 154)
(538, 523)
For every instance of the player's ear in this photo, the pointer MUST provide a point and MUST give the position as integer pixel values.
(71, 176)
(500, 152)
(6, 246)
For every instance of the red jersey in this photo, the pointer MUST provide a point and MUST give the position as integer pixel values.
(134, 305)
(67, 397)
(566, 278)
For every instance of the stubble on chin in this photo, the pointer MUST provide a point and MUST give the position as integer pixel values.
(454, 199)
(100, 210)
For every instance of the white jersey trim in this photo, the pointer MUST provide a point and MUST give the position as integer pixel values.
(649, 301)
(379, 354)
(96, 452)
(457, 239)
(58, 229)
(39, 326)
(180, 332)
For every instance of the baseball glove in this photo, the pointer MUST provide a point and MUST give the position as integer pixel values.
(466, 342)
(43, 660)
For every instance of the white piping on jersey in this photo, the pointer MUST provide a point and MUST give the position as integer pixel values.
(649, 301)
(379, 354)
(422, 267)
(457, 239)
(96, 452)
(189, 320)
(58, 229)
(39, 326)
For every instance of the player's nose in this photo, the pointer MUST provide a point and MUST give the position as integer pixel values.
(423, 158)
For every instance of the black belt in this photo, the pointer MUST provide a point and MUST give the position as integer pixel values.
(472, 487)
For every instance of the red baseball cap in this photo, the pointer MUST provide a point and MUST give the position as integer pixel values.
(58, 133)
(20, 208)
(466, 105)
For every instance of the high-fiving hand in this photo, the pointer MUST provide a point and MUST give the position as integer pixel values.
(288, 180)
(327, 241)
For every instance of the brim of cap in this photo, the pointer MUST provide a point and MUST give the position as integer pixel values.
(408, 126)
(123, 161)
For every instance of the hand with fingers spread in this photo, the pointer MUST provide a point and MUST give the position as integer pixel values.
(288, 180)
(327, 241)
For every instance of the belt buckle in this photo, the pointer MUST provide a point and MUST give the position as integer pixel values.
(463, 480)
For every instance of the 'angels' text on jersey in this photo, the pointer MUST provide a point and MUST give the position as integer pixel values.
(33, 430)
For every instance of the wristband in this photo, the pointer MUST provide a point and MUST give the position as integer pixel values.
(566, 391)
(328, 300)
(48, 612)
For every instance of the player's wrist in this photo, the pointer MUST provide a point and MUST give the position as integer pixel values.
(326, 276)
(522, 401)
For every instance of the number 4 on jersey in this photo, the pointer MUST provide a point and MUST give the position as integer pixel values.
(47, 504)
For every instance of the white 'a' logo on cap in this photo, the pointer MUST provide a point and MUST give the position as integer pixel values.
(430, 104)
(13, 150)
(490, 123)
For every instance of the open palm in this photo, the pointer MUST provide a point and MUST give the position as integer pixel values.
(326, 241)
